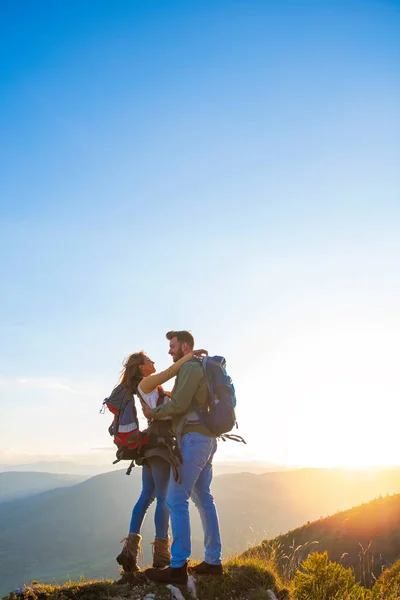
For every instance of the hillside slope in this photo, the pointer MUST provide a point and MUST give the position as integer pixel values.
(366, 538)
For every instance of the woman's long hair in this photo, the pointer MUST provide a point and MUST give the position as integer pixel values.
(130, 375)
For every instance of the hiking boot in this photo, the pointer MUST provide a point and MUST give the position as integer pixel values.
(161, 553)
(128, 558)
(207, 569)
(178, 576)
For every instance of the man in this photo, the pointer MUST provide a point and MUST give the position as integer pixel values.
(197, 445)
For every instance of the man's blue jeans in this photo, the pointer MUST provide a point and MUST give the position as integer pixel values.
(155, 478)
(197, 453)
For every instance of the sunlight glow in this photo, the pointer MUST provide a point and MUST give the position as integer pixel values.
(329, 398)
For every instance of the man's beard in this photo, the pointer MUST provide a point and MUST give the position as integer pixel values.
(178, 355)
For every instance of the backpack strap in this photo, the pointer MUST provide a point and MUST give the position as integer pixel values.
(208, 382)
(129, 470)
(231, 436)
(142, 400)
(199, 412)
(161, 395)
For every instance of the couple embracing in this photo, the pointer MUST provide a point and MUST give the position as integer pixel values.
(197, 447)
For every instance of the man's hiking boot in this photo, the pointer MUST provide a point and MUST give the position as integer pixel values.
(177, 576)
(161, 553)
(207, 569)
(128, 558)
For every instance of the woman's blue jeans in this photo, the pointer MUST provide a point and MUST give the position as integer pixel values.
(155, 478)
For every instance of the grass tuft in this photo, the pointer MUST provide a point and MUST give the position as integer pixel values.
(245, 578)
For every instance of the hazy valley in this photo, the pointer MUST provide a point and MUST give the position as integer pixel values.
(72, 531)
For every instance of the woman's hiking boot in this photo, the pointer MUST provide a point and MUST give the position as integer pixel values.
(178, 576)
(207, 569)
(128, 558)
(161, 553)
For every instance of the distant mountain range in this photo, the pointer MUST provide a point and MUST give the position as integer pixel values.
(59, 467)
(75, 468)
(15, 485)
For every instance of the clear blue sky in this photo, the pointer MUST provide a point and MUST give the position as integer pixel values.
(225, 166)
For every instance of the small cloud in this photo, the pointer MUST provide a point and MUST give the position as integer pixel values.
(37, 383)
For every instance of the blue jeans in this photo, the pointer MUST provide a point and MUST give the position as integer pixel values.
(197, 453)
(155, 478)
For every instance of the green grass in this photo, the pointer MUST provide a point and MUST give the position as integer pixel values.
(244, 579)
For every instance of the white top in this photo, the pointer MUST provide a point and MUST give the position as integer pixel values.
(151, 398)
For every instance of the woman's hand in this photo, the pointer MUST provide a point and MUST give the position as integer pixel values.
(200, 352)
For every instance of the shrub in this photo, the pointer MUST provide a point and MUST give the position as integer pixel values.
(320, 579)
(388, 585)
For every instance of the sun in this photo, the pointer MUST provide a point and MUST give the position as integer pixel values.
(325, 396)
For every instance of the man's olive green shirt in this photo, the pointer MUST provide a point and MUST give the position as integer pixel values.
(189, 394)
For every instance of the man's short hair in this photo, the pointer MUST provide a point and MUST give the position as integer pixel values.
(183, 337)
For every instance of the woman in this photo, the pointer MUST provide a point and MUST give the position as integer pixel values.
(139, 378)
